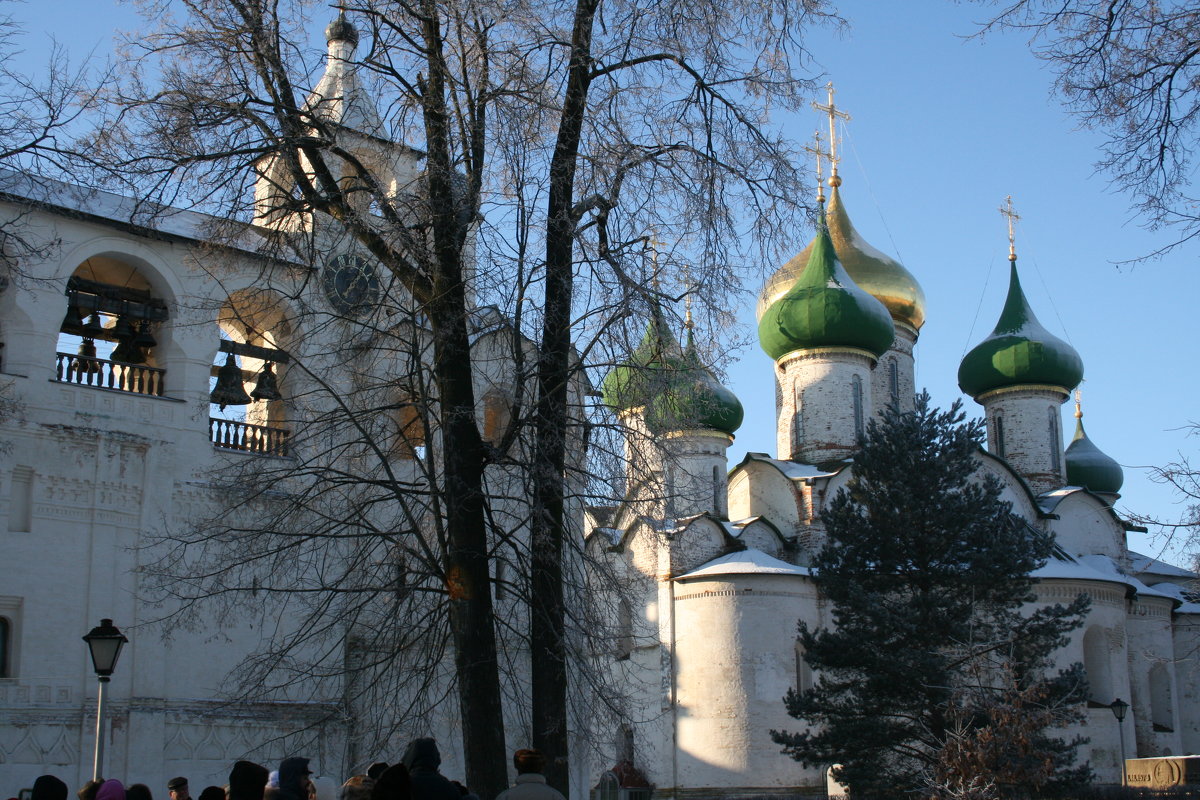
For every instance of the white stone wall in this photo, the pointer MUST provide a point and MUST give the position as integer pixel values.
(1153, 691)
(735, 658)
(1028, 419)
(1186, 639)
(819, 419)
(894, 375)
(697, 472)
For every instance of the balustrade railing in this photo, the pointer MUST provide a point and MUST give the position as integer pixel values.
(105, 374)
(233, 435)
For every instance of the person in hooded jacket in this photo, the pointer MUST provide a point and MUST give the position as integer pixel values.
(294, 783)
(422, 760)
(247, 781)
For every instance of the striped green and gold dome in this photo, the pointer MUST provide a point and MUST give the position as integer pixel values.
(882, 276)
(825, 308)
(1019, 351)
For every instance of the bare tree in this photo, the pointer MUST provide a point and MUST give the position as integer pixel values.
(1131, 69)
(544, 145)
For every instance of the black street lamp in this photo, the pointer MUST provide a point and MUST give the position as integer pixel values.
(1119, 707)
(104, 643)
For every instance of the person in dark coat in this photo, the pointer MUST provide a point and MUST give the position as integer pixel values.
(376, 769)
(212, 793)
(48, 787)
(247, 781)
(393, 784)
(422, 759)
(138, 791)
(293, 779)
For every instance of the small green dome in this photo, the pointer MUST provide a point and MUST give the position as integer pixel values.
(1019, 351)
(825, 308)
(1088, 466)
(677, 390)
(695, 399)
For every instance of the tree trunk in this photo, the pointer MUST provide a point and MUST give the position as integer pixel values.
(546, 620)
(467, 577)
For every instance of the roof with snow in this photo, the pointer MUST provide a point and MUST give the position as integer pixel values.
(746, 562)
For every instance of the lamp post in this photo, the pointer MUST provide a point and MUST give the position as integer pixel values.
(1119, 707)
(104, 643)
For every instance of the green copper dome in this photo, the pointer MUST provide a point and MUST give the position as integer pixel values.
(1090, 468)
(694, 399)
(882, 276)
(1019, 351)
(677, 390)
(825, 308)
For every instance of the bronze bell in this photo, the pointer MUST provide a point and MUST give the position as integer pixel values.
(73, 321)
(126, 351)
(93, 327)
(84, 364)
(229, 390)
(144, 338)
(266, 388)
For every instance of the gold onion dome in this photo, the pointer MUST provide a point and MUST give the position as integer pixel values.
(1088, 466)
(1019, 351)
(880, 275)
(825, 308)
(673, 386)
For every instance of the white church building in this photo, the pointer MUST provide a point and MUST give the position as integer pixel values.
(118, 321)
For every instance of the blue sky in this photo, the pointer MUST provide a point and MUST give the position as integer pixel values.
(943, 128)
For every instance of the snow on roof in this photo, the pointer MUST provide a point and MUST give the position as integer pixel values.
(791, 469)
(1080, 570)
(99, 204)
(1149, 565)
(1186, 605)
(746, 562)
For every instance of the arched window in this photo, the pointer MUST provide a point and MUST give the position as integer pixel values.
(798, 422)
(857, 392)
(497, 416)
(1161, 707)
(894, 381)
(247, 381)
(997, 433)
(1097, 664)
(108, 335)
(717, 504)
(1055, 441)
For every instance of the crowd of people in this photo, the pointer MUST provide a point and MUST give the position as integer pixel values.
(414, 777)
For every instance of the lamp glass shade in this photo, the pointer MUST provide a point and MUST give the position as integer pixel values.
(1119, 707)
(105, 643)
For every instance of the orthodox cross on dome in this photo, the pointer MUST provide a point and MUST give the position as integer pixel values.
(1012, 216)
(819, 153)
(1078, 404)
(835, 114)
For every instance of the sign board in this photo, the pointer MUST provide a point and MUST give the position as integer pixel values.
(1162, 773)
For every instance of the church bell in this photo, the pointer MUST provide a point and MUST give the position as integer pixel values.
(229, 390)
(266, 388)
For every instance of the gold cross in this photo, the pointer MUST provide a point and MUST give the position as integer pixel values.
(1013, 216)
(834, 115)
(819, 153)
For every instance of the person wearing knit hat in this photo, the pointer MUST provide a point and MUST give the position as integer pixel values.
(48, 787)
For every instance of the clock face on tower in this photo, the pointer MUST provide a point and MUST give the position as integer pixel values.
(350, 284)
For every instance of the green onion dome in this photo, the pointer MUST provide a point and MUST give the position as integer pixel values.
(1088, 466)
(825, 308)
(879, 274)
(1019, 351)
(695, 399)
(677, 390)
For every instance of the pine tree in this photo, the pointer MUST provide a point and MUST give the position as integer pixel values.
(927, 571)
